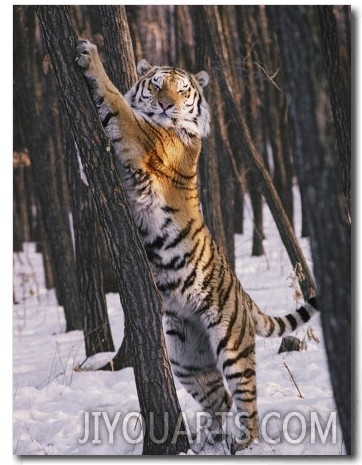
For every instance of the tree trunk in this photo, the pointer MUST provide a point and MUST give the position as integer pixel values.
(257, 206)
(92, 302)
(18, 233)
(49, 111)
(21, 229)
(329, 40)
(122, 72)
(275, 114)
(140, 299)
(121, 66)
(231, 33)
(57, 232)
(110, 283)
(251, 111)
(207, 18)
(319, 173)
(239, 198)
(47, 261)
(215, 172)
(212, 185)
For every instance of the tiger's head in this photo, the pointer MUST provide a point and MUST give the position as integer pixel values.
(172, 98)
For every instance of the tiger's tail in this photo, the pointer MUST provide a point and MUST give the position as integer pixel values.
(269, 326)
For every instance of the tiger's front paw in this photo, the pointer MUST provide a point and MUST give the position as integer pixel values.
(87, 54)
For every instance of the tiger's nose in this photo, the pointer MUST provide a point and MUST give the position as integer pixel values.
(165, 104)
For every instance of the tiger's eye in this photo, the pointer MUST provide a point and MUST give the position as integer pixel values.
(184, 90)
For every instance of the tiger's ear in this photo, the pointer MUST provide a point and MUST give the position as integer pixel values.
(143, 66)
(202, 78)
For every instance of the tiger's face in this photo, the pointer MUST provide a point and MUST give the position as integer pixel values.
(171, 98)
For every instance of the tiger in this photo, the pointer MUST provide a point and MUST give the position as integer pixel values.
(209, 321)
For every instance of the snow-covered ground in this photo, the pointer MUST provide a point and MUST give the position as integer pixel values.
(51, 395)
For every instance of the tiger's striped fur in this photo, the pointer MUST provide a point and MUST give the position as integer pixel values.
(209, 320)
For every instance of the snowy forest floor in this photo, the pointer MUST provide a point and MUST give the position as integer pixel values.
(50, 393)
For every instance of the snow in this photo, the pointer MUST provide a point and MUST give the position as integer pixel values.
(51, 394)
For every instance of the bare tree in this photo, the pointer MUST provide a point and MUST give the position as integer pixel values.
(215, 169)
(92, 301)
(207, 18)
(21, 230)
(55, 225)
(319, 172)
(141, 301)
(329, 39)
(122, 72)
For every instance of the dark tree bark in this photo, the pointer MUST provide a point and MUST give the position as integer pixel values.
(57, 182)
(251, 111)
(215, 172)
(216, 182)
(122, 72)
(22, 212)
(49, 111)
(343, 14)
(92, 302)
(121, 66)
(319, 172)
(239, 198)
(57, 232)
(257, 206)
(330, 47)
(45, 252)
(109, 278)
(275, 114)
(207, 18)
(88, 20)
(21, 227)
(231, 34)
(140, 299)
(227, 185)
(17, 227)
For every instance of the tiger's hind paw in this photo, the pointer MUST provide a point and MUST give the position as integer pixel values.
(236, 444)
